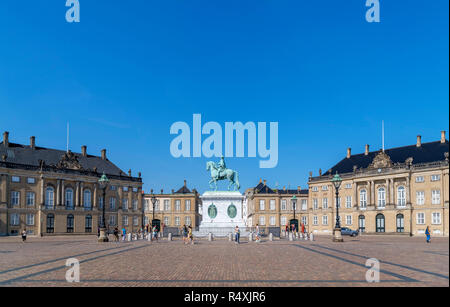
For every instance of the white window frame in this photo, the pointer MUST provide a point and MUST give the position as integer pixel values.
(166, 205)
(420, 197)
(363, 198)
(315, 220)
(381, 192)
(325, 220)
(125, 220)
(420, 218)
(187, 205)
(262, 204)
(348, 201)
(14, 219)
(435, 177)
(15, 198)
(283, 204)
(349, 220)
(31, 198)
(420, 179)
(436, 218)
(304, 204)
(15, 179)
(401, 196)
(272, 205)
(315, 204)
(324, 203)
(177, 205)
(436, 197)
(68, 198)
(272, 220)
(30, 219)
(31, 180)
(262, 220)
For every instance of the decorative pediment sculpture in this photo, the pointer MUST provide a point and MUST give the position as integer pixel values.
(69, 161)
(381, 160)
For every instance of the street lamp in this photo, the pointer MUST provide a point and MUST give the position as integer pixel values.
(337, 237)
(153, 211)
(103, 182)
(294, 202)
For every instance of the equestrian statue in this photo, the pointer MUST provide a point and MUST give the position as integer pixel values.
(219, 172)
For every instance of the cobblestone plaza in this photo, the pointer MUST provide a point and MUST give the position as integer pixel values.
(404, 261)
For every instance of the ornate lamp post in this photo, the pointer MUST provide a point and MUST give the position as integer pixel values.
(294, 204)
(337, 237)
(103, 182)
(153, 211)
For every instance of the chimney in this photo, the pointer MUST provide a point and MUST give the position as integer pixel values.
(260, 180)
(6, 138)
(320, 172)
(33, 142)
(284, 188)
(366, 152)
(162, 191)
(184, 182)
(151, 191)
(310, 174)
(129, 172)
(265, 182)
(84, 150)
(349, 153)
(419, 141)
(173, 191)
(299, 188)
(443, 136)
(139, 174)
(103, 154)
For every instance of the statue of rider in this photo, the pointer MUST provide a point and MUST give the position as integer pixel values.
(222, 166)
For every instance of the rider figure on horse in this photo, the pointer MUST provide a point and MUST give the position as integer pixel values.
(221, 166)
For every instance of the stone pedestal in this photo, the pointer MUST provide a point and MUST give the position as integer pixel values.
(337, 237)
(103, 235)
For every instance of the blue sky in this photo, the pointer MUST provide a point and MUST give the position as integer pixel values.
(130, 69)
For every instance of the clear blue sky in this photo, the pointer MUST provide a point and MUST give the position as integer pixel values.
(130, 69)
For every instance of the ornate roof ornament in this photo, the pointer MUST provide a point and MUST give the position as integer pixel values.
(381, 160)
(69, 161)
(446, 156)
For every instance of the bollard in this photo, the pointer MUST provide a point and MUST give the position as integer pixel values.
(149, 237)
(230, 237)
(169, 237)
(250, 237)
(128, 237)
(210, 237)
(291, 237)
(311, 236)
(270, 237)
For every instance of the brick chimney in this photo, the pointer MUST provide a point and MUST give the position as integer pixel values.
(284, 188)
(103, 154)
(349, 153)
(265, 182)
(173, 191)
(419, 141)
(320, 172)
(184, 182)
(84, 151)
(6, 138)
(443, 136)
(129, 172)
(366, 152)
(33, 142)
(139, 174)
(299, 188)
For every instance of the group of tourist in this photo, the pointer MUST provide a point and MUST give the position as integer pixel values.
(292, 229)
(188, 237)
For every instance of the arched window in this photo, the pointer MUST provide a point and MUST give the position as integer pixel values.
(88, 223)
(362, 223)
(87, 200)
(363, 198)
(49, 198)
(69, 198)
(379, 222)
(50, 223)
(381, 197)
(401, 196)
(400, 223)
(70, 223)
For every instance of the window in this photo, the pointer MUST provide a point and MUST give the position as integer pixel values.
(348, 186)
(436, 218)
(283, 205)
(262, 220)
(15, 220)
(325, 203)
(435, 177)
(304, 204)
(49, 198)
(15, 198)
(283, 221)
(272, 221)
(401, 196)
(262, 205)
(305, 220)
(88, 223)
(146, 220)
(30, 219)
(187, 220)
(315, 189)
(381, 197)
(69, 198)
(166, 220)
(157, 205)
(112, 203)
(166, 205)
(113, 188)
(324, 188)
(363, 198)
(125, 189)
(177, 205)
(348, 220)
(315, 204)
(50, 223)
(135, 221)
(362, 223)
(87, 200)
(187, 205)
(400, 223)
(112, 220)
(420, 218)
(31, 198)
(420, 179)
(436, 197)
(315, 220)
(125, 204)
(15, 179)
(177, 221)
(272, 204)
(379, 222)
(70, 223)
(135, 204)
(31, 180)
(135, 190)
(420, 197)
(348, 201)
(325, 220)
(146, 205)
(125, 220)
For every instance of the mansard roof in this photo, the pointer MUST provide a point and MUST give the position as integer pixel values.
(426, 153)
(17, 155)
(264, 189)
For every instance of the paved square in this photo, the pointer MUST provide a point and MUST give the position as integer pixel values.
(404, 261)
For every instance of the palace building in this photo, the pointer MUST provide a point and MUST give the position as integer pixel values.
(273, 209)
(173, 210)
(394, 191)
(48, 191)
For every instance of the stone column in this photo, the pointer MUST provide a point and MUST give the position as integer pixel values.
(388, 194)
(81, 194)
(373, 198)
(355, 195)
(369, 193)
(77, 194)
(58, 191)
(408, 191)
(94, 201)
(63, 192)
(391, 191)
(42, 191)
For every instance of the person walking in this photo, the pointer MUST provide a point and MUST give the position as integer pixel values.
(24, 235)
(287, 231)
(184, 233)
(428, 234)
(237, 235)
(116, 234)
(155, 233)
(258, 239)
(190, 235)
(124, 234)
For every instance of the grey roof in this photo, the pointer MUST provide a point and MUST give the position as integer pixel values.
(263, 189)
(27, 156)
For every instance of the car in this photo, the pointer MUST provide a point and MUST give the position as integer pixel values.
(348, 232)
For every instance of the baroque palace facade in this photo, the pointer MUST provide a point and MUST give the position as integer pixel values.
(48, 191)
(173, 210)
